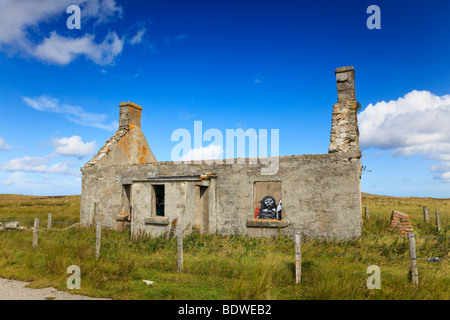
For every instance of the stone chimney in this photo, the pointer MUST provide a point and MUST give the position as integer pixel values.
(344, 124)
(130, 114)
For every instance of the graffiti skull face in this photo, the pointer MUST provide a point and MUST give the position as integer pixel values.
(269, 202)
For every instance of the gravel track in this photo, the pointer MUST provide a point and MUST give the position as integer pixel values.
(16, 290)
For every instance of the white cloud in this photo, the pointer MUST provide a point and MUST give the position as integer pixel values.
(17, 16)
(101, 10)
(19, 20)
(416, 124)
(42, 103)
(73, 113)
(138, 37)
(3, 145)
(74, 146)
(63, 50)
(66, 147)
(210, 152)
(40, 164)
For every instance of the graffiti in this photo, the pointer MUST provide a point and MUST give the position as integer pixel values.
(269, 209)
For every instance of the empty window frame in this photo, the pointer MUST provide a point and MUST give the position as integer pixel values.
(158, 200)
(126, 199)
(267, 200)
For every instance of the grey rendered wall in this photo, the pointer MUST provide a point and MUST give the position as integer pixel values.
(321, 194)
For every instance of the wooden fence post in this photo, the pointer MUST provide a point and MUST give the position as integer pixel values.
(92, 217)
(35, 233)
(438, 221)
(366, 212)
(98, 239)
(413, 258)
(298, 258)
(180, 249)
(49, 221)
(426, 214)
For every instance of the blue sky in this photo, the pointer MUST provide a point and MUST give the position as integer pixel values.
(230, 64)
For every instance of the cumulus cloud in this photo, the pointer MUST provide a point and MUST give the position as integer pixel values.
(49, 164)
(416, 124)
(210, 152)
(3, 145)
(19, 20)
(40, 164)
(17, 16)
(74, 114)
(63, 50)
(74, 147)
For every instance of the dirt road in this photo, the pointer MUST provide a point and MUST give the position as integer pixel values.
(16, 290)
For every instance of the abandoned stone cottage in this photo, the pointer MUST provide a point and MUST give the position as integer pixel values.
(124, 185)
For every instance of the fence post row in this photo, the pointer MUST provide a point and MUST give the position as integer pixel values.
(98, 236)
(180, 250)
(413, 258)
(35, 233)
(298, 258)
(297, 239)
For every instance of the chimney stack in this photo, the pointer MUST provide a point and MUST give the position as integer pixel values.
(130, 114)
(344, 125)
(345, 82)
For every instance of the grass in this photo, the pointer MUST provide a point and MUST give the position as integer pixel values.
(65, 210)
(228, 267)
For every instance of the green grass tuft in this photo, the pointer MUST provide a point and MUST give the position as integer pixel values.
(227, 267)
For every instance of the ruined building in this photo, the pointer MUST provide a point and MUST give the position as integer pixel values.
(124, 185)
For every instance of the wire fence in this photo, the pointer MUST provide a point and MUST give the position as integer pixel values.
(28, 198)
(230, 253)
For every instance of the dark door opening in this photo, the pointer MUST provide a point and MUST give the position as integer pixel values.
(158, 191)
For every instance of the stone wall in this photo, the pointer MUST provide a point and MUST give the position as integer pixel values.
(320, 195)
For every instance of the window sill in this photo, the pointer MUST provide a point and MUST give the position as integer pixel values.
(123, 217)
(266, 223)
(159, 221)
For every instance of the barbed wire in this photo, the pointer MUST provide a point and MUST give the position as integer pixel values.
(313, 242)
(43, 220)
(166, 244)
(441, 237)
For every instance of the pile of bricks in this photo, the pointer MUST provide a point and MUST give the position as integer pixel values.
(400, 221)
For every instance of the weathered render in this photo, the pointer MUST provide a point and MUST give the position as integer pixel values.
(124, 185)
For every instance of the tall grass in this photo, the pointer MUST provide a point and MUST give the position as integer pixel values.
(65, 210)
(234, 266)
